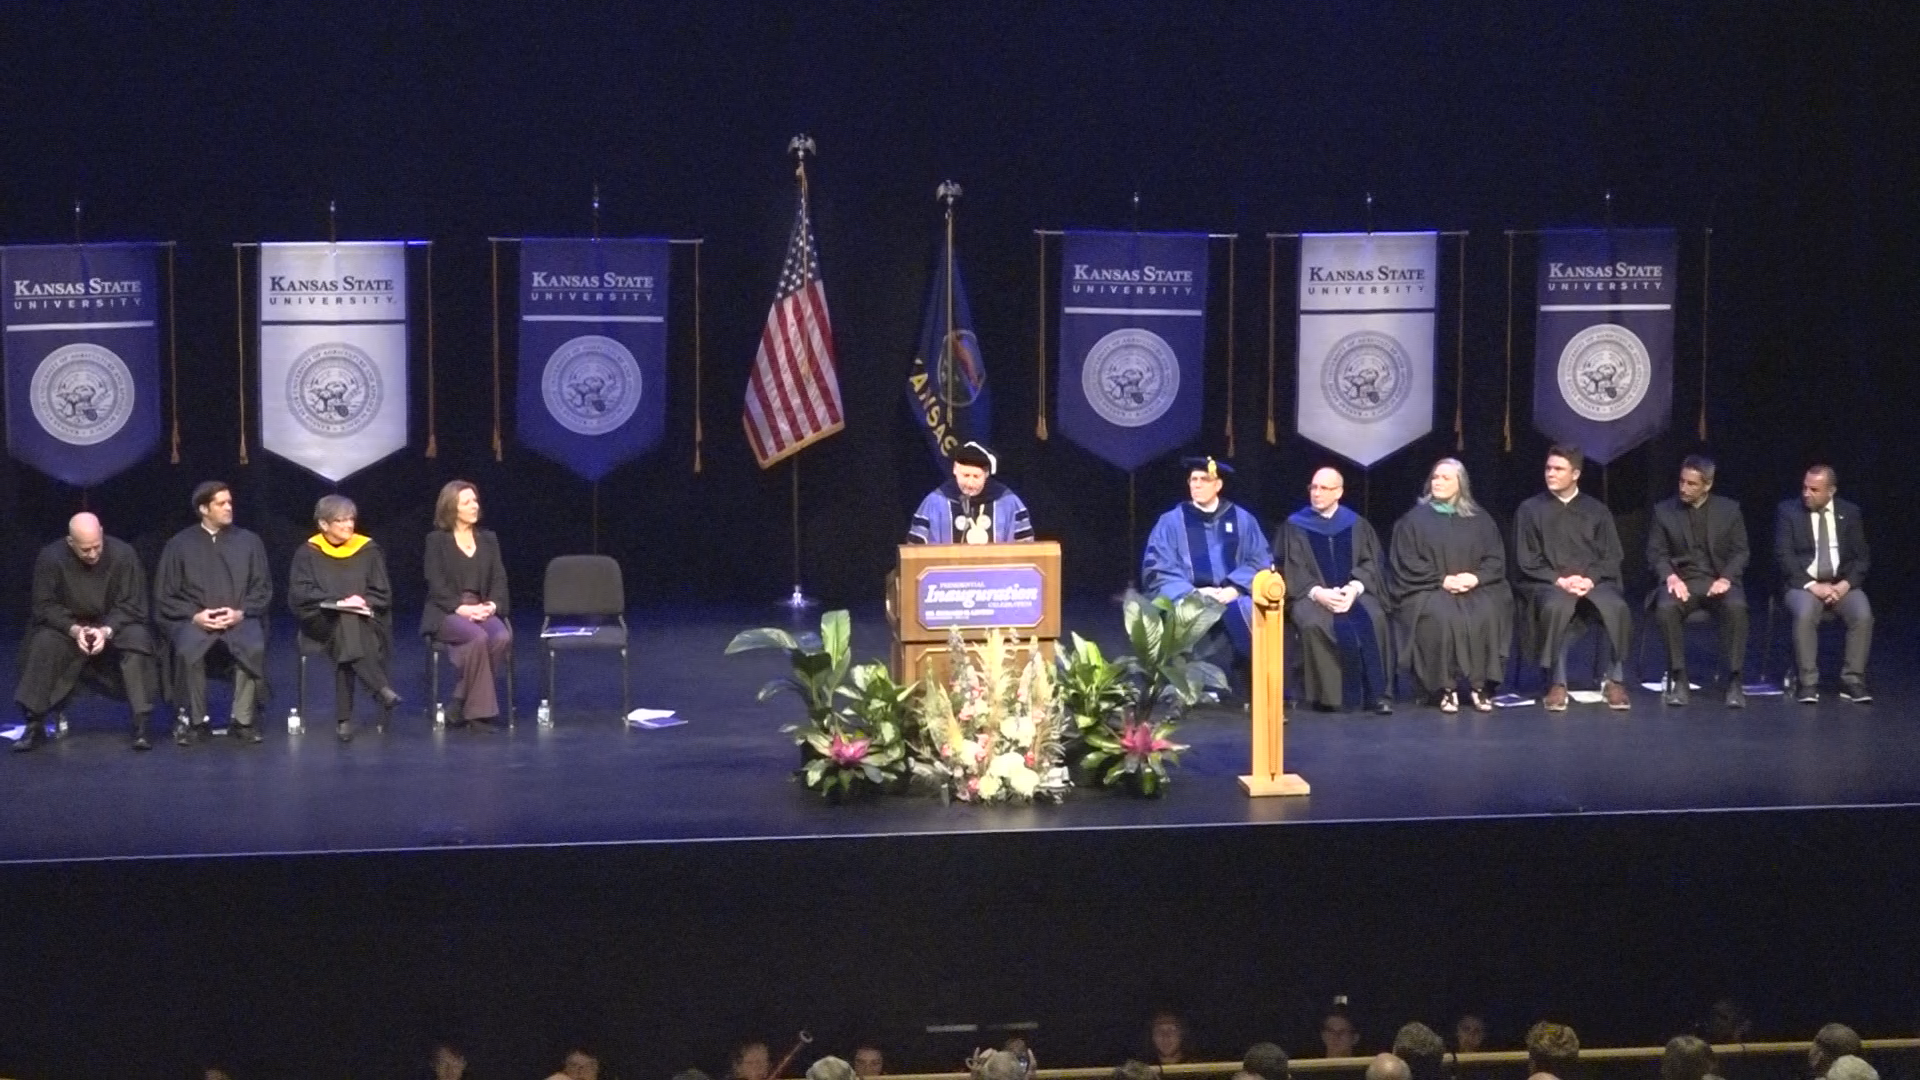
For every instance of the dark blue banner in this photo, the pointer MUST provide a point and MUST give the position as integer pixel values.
(947, 385)
(1603, 349)
(593, 350)
(83, 357)
(1133, 330)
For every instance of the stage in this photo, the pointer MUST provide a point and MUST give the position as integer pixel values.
(725, 774)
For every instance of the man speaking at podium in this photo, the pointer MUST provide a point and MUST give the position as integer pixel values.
(1211, 546)
(973, 507)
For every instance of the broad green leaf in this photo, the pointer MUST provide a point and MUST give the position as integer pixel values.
(767, 637)
(836, 635)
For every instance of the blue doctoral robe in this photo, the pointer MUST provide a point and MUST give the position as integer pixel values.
(933, 522)
(1189, 548)
(1329, 552)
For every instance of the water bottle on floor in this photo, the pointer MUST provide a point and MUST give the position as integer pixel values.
(439, 715)
(544, 715)
(294, 726)
(60, 729)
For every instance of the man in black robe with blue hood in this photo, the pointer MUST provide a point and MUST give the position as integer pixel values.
(1331, 560)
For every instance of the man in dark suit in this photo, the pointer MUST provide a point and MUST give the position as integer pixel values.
(1821, 542)
(1697, 548)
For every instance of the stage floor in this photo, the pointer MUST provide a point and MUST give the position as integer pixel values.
(724, 775)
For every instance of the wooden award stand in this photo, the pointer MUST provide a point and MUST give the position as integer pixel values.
(920, 636)
(1269, 775)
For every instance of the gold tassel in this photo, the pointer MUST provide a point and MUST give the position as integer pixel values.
(1706, 298)
(699, 431)
(1273, 437)
(433, 441)
(1460, 356)
(240, 339)
(1040, 352)
(494, 245)
(173, 358)
(1232, 259)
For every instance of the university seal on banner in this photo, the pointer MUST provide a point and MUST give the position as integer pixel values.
(82, 394)
(334, 389)
(591, 385)
(1604, 372)
(1131, 377)
(1366, 376)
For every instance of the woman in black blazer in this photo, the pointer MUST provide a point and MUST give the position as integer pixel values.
(466, 601)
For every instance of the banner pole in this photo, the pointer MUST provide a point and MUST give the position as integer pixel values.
(494, 253)
(1706, 302)
(433, 437)
(240, 340)
(1233, 260)
(699, 432)
(1506, 413)
(798, 600)
(1040, 351)
(76, 219)
(1133, 542)
(1460, 355)
(1273, 437)
(949, 193)
(173, 358)
(595, 516)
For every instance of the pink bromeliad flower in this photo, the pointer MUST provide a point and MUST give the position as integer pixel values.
(1138, 740)
(845, 751)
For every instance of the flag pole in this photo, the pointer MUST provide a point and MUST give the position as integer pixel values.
(797, 601)
(948, 192)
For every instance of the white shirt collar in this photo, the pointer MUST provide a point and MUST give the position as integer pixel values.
(212, 532)
(1572, 494)
(1330, 511)
(1206, 509)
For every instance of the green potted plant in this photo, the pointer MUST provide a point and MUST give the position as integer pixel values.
(1132, 746)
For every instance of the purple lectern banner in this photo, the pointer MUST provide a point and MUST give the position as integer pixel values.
(978, 597)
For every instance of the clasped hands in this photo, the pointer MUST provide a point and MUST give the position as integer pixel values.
(1830, 593)
(1679, 591)
(1225, 594)
(1460, 583)
(480, 612)
(90, 639)
(1339, 601)
(219, 618)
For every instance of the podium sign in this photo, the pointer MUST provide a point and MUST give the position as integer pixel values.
(972, 588)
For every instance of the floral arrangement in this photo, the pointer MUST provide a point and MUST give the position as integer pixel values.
(993, 732)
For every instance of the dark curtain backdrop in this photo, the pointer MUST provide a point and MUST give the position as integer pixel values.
(1786, 128)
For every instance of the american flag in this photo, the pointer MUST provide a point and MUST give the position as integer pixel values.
(793, 396)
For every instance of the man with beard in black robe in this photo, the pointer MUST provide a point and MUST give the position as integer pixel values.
(211, 593)
(1568, 553)
(89, 616)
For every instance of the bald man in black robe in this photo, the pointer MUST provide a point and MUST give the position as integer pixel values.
(89, 617)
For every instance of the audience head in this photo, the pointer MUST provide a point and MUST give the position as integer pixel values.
(869, 1060)
(830, 1068)
(87, 539)
(1818, 486)
(1696, 478)
(1168, 1033)
(1551, 1048)
(691, 1074)
(1469, 1033)
(458, 504)
(750, 1061)
(1831, 1043)
(1849, 1067)
(213, 501)
(1423, 1050)
(1564, 462)
(1687, 1058)
(1325, 490)
(336, 517)
(1006, 1065)
(972, 464)
(1726, 1022)
(1447, 485)
(1132, 1070)
(580, 1065)
(1266, 1060)
(1338, 1036)
(1388, 1067)
(448, 1062)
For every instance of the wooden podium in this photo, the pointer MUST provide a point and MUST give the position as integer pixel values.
(975, 587)
(1269, 775)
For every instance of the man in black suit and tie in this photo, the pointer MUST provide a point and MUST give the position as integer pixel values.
(1698, 551)
(1821, 543)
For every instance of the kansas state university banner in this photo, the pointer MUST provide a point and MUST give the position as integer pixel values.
(1603, 353)
(82, 355)
(593, 348)
(1366, 341)
(333, 353)
(1133, 331)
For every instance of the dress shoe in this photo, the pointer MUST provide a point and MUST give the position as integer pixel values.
(387, 698)
(1736, 693)
(1556, 699)
(1616, 695)
(1855, 691)
(35, 734)
(1808, 694)
(456, 712)
(1677, 692)
(1450, 700)
(1383, 706)
(343, 730)
(248, 733)
(140, 732)
(1482, 701)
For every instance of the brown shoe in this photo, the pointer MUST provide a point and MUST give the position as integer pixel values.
(1556, 699)
(1616, 694)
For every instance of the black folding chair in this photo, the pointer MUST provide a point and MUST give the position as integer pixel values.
(582, 593)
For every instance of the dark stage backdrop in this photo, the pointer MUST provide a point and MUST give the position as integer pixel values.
(1786, 127)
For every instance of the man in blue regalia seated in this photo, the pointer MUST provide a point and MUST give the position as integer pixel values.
(1211, 546)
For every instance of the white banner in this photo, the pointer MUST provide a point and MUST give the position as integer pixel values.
(333, 353)
(1366, 341)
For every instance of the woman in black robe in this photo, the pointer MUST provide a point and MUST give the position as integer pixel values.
(339, 589)
(1451, 600)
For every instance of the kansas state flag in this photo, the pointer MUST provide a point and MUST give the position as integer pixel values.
(593, 350)
(947, 385)
(83, 357)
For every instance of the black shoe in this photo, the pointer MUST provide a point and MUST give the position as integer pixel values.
(1855, 692)
(343, 730)
(1383, 706)
(456, 712)
(35, 734)
(1677, 692)
(1736, 693)
(248, 733)
(1808, 694)
(387, 698)
(140, 733)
